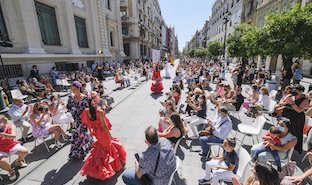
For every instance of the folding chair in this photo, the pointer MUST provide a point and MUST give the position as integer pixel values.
(244, 159)
(171, 180)
(252, 130)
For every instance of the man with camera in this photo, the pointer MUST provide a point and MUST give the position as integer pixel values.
(155, 165)
(19, 114)
(216, 131)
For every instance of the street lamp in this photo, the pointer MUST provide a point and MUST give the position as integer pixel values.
(226, 20)
(141, 26)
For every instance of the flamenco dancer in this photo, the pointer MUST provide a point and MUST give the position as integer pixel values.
(157, 87)
(107, 155)
(81, 141)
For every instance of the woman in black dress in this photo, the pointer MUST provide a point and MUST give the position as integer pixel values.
(81, 141)
(294, 110)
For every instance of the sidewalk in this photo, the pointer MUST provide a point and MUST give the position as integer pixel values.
(40, 155)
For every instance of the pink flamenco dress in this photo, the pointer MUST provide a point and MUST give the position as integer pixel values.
(107, 156)
(157, 87)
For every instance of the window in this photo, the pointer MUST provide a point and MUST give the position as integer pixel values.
(111, 37)
(81, 32)
(123, 13)
(47, 24)
(4, 36)
(127, 49)
(125, 31)
(108, 5)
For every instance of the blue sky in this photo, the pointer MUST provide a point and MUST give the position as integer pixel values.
(186, 16)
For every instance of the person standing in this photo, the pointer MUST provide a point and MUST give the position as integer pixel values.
(81, 140)
(107, 155)
(297, 103)
(34, 73)
(54, 75)
(19, 113)
(297, 73)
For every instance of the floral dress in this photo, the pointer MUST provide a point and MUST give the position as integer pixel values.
(81, 141)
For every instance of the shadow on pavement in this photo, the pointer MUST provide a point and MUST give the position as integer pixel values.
(110, 181)
(156, 95)
(65, 174)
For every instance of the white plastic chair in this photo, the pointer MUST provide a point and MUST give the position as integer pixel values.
(44, 142)
(252, 130)
(273, 94)
(219, 145)
(235, 112)
(271, 110)
(16, 93)
(177, 145)
(88, 87)
(171, 180)
(244, 159)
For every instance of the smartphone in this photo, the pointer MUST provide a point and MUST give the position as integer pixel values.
(137, 157)
(1, 130)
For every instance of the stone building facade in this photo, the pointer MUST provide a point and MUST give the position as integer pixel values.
(143, 28)
(62, 33)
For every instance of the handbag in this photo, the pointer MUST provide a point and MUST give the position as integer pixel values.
(287, 170)
(146, 179)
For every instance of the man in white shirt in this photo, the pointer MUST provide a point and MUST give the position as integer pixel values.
(19, 113)
(217, 130)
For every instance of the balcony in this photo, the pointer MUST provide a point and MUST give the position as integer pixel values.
(123, 3)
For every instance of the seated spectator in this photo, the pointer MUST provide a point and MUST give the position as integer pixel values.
(200, 110)
(222, 167)
(300, 179)
(271, 137)
(261, 172)
(159, 149)
(216, 131)
(163, 123)
(235, 103)
(41, 126)
(262, 104)
(58, 110)
(27, 89)
(126, 77)
(19, 113)
(288, 141)
(175, 131)
(253, 98)
(38, 85)
(10, 146)
(7, 93)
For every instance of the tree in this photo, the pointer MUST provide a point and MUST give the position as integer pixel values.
(215, 49)
(191, 53)
(243, 42)
(201, 52)
(290, 34)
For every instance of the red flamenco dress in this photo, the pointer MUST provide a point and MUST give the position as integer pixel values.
(107, 156)
(157, 87)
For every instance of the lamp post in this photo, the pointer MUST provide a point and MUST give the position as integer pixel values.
(141, 26)
(226, 20)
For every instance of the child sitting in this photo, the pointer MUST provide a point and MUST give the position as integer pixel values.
(272, 136)
(163, 124)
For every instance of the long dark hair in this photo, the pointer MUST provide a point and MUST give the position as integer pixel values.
(263, 171)
(92, 110)
(176, 120)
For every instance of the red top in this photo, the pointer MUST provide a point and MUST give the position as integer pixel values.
(276, 141)
(156, 75)
(7, 144)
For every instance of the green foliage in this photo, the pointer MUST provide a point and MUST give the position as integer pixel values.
(244, 42)
(215, 49)
(201, 52)
(289, 33)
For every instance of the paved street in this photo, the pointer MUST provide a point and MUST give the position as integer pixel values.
(134, 110)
